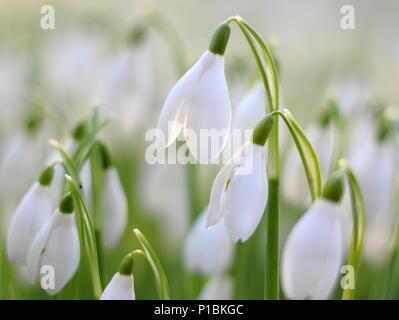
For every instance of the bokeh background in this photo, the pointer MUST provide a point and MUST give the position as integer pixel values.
(91, 58)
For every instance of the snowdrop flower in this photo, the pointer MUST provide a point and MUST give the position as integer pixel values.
(121, 286)
(33, 211)
(217, 288)
(239, 192)
(114, 207)
(251, 109)
(248, 113)
(294, 179)
(208, 251)
(200, 100)
(312, 254)
(56, 245)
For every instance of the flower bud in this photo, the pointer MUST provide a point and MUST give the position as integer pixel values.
(220, 39)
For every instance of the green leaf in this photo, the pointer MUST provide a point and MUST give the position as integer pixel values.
(159, 273)
(306, 152)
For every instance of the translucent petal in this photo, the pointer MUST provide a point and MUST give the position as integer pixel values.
(209, 113)
(208, 251)
(121, 287)
(33, 211)
(312, 255)
(174, 110)
(114, 210)
(246, 196)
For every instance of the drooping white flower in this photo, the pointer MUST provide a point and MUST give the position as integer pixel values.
(34, 210)
(217, 288)
(312, 254)
(374, 164)
(114, 208)
(209, 251)
(56, 245)
(200, 100)
(121, 286)
(239, 192)
(251, 109)
(294, 180)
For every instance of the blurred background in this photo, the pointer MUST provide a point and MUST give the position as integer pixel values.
(113, 55)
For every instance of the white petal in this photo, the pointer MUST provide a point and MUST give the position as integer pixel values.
(174, 110)
(251, 109)
(209, 109)
(312, 255)
(218, 288)
(56, 245)
(33, 211)
(114, 210)
(208, 251)
(214, 212)
(121, 287)
(246, 196)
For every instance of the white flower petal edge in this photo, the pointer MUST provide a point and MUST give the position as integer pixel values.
(214, 212)
(209, 112)
(33, 211)
(217, 288)
(312, 255)
(245, 199)
(174, 111)
(114, 213)
(56, 245)
(209, 251)
(121, 287)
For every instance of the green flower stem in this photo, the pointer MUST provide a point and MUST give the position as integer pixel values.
(272, 272)
(156, 266)
(359, 222)
(88, 235)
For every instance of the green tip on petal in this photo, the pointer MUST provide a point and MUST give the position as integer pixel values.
(126, 266)
(67, 205)
(220, 39)
(137, 35)
(334, 188)
(105, 155)
(47, 175)
(262, 130)
(80, 131)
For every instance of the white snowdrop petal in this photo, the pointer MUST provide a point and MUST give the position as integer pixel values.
(56, 245)
(33, 211)
(251, 109)
(217, 288)
(36, 249)
(246, 196)
(214, 213)
(312, 255)
(174, 110)
(114, 210)
(208, 251)
(121, 287)
(209, 109)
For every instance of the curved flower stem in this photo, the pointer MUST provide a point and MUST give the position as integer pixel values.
(89, 237)
(272, 273)
(156, 266)
(359, 222)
